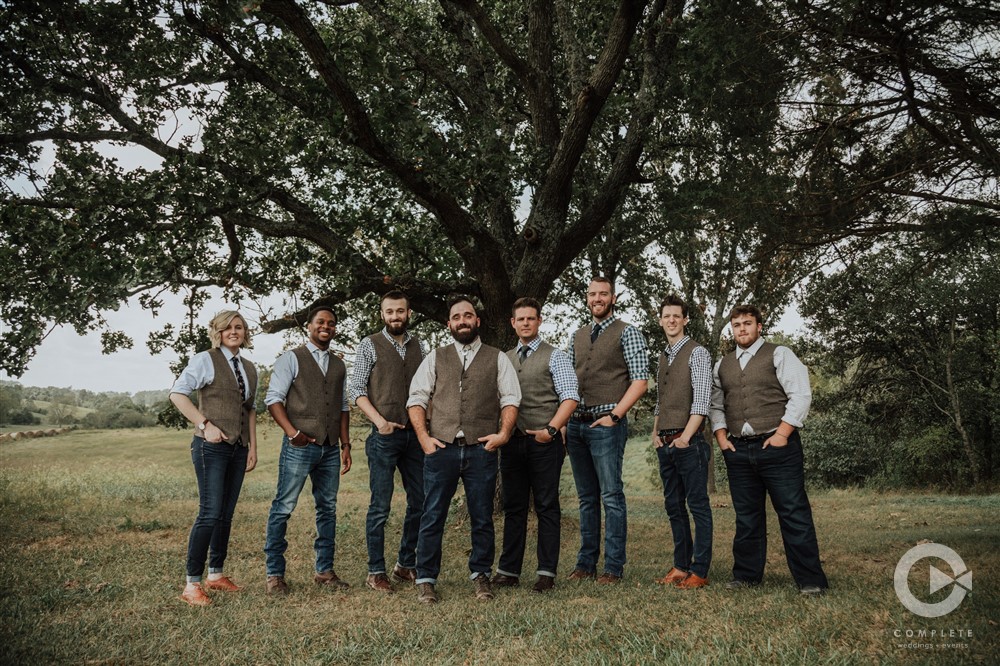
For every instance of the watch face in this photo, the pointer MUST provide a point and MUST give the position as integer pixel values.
(552, 431)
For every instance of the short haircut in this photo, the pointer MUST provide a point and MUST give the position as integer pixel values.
(394, 295)
(320, 308)
(746, 309)
(526, 302)
(455, 300)
(674, 299)
(221, 322)
(606, 280)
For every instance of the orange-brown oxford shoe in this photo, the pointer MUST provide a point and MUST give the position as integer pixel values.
(195, 596)
(692, 582)
(673, 577)
(224, 584)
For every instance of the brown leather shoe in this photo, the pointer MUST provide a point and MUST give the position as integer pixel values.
(503, 580)
(544, 584)
(379, 582)
(223, 584)
(404, 575)
(692, 582)
(483, 590)
(609, 579)
(580, 574)
(195, 596)
(330, 578)
(673, 577)
(276, 585)
(426, 593)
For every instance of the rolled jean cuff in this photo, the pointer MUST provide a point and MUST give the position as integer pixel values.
(550, 574)
(421, 581)
(502, 572)
(193, 579)
(214, 570)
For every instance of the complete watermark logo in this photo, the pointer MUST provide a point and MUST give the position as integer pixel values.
(960, 579)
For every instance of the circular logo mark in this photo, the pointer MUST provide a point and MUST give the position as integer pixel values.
(960, 579)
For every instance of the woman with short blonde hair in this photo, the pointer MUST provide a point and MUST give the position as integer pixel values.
(224, 447)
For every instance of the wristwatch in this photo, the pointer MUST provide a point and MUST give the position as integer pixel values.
(614, 417)
(552, 431)
(201, 426)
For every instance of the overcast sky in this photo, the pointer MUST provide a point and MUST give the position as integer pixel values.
(66, 359)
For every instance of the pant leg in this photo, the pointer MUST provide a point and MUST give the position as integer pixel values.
(607, 449)
(383, 452)
(545, 468)
(294, 465)
(588, 492)
(748, 495)
(674, 494)
(479, 476)
(515, 486)
(441, 473)
(411, 471)
(693, 466)
(210, 463)
(783, 475)
(325, 477)
(235, 471)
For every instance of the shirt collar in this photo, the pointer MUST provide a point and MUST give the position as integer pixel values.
(533, 345)
(671, 350)
(228, 354)
(595, 326)
(388, 336)
(752, 349)
(313, 348)
(473, 346)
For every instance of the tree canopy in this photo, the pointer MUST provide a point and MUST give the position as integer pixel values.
(330, 150)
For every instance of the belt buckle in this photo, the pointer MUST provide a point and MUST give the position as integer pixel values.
(461, 441)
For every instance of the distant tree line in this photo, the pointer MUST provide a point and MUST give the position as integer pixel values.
(32, 405)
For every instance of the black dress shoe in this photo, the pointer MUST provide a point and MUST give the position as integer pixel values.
(544, 584)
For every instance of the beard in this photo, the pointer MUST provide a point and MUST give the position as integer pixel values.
(398, 327)
(465, 335)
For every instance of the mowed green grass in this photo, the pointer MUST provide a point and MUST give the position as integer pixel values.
(95, 529)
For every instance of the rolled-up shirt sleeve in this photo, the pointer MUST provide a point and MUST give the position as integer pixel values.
(717, 409)
(423, 382)
(700, 365)
(794, 379)
(508, 385)
(364, 362)
(286, 368)
(199, 373)
(563, 376)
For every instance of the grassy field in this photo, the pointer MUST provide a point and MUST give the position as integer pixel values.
(95, 528)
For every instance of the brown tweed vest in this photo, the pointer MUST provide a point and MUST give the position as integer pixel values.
(314, 402)
(468, 401)
(600, 367)
(389, 381)
(752, 394)
(221, 402)
(673, 383)
(539, 400)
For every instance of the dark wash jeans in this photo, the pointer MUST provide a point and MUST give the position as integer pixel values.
(220, 469)
(477, 468)
(684, 472)
(385, 454)
(530, 467)
(754, 474)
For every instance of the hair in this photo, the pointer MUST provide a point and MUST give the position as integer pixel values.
(674, 299)
(455, 300)
(606, 280)
(320, 308)
(221, 322)
(526, 302)
(746, 309)
(394, 295)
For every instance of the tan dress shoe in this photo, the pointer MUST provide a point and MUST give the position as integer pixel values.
(673, 577)
(223, 584)
(195, 596)
(404, 575)
(609, 579)
(277, 585)
(379, 582)
(330, 578)
(692, 582)
(580, 574)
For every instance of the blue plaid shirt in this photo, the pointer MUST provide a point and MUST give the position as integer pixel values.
(634, 351)
(561, 369)
(701, 376)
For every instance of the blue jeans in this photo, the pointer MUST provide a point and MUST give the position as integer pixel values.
(684, 472)
(528, 467)
(595, 455)
(754, 474)
(477, 468)
(219, 469)
(385, 453)
(322, 465)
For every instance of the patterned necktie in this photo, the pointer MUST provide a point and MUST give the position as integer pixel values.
(522, 353)
(239, 378)
(594, 333)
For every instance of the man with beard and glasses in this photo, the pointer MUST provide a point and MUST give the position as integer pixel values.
(760, 398)
(472, 387)
(307, 400)
(611, 365)
(383, 367)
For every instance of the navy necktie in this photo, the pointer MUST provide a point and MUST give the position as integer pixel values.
(239, 378)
